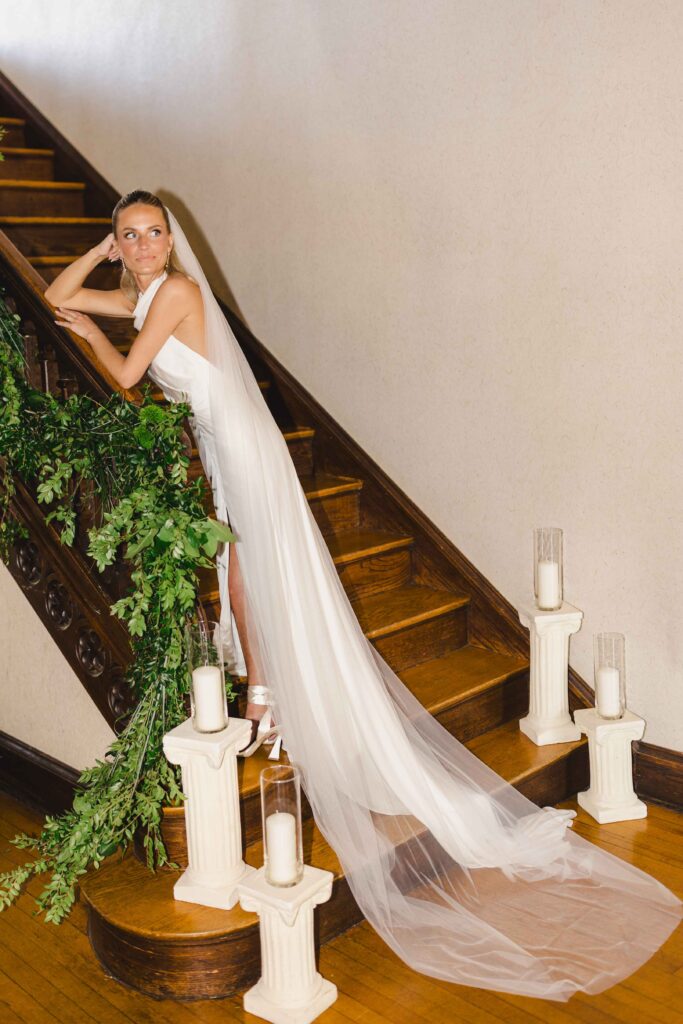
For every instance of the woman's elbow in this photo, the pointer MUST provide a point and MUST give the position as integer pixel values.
(128, 377)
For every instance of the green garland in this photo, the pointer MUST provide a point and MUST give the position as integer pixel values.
(134, 458)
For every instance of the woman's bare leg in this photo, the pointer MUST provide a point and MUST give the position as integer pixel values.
(236, 591)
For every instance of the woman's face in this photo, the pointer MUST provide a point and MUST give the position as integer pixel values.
(144, 240)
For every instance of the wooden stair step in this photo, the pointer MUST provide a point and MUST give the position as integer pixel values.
(23, 184)
(300, 444)
(319, 488)
(545, 775)
(459, 675)
(24, 197)
(21, 162)
(293, 439)
(327, 485)
(46, 236)
(370, 561)
(104, 275)
(472, 689)
(119, 329)
(14, 134)
(413, 623)
(347, 548)
(333, 499)
(355, 545)
(382, 614)
(152, 942)
(299, 433)
(52, 261)
(289, 434)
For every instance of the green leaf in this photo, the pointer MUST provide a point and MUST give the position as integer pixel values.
(144, 437)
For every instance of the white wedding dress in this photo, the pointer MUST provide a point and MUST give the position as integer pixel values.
(465, 878)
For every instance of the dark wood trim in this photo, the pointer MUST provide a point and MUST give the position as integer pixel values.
(35, 778)
(658, 774)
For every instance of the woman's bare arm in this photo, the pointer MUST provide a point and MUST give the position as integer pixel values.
(169, 307)
(66, 289)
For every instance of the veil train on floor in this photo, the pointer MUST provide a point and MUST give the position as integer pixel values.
(464, 878)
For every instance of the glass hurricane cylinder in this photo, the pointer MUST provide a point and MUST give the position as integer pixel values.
(610, 674)
(208, 699)
(283, 855)
(548, 569)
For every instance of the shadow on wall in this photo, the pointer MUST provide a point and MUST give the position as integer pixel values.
(202, 249)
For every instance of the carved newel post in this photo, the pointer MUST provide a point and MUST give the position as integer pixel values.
(290, 989)
(212, 811)
(549, 720)
(611, 796)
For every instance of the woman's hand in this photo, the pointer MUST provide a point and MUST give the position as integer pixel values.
(79, 323)
(109, 248)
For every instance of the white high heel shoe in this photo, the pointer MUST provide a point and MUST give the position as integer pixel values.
(267, 732)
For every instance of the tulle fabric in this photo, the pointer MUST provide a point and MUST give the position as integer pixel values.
(464, 878)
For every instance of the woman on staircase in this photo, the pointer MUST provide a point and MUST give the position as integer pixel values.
(464, 877)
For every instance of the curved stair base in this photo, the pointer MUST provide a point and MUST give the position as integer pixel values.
(172, 950)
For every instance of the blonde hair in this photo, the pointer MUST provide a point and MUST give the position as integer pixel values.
(127, 283)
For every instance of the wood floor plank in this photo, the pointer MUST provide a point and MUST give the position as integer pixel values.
(361, 987)
(43, 989)
(30, 943)
(21, 1004)
(433, 1005)
(477, 997)
(8, 1016)
(75, 945)
(640, 1007)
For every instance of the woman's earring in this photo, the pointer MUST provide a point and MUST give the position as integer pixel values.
(168, 260)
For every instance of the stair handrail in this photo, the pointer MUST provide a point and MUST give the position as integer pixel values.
(28, 286)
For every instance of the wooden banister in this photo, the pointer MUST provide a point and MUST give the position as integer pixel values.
(69, 596)
(27, 287)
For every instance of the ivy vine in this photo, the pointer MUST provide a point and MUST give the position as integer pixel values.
(133, 457)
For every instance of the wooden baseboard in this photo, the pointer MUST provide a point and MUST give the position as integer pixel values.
(658, 774)
(34, 778)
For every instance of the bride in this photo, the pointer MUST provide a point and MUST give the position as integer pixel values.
(465, 878)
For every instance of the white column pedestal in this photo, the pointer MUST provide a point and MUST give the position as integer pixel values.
(611, 796)
(549, 720)
(212, 811)
(290, 989)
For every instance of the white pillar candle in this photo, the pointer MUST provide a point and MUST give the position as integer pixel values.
(208, 691)
(548, 585)
(282, 868)
(607, 692)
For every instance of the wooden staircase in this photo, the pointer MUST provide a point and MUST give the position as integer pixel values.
(452, 639)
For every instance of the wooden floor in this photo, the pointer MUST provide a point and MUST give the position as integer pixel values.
(49, 974)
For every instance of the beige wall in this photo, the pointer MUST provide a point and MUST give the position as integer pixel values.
(459, 224)
(43, 703)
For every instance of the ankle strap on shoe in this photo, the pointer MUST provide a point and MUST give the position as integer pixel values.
(258, 695)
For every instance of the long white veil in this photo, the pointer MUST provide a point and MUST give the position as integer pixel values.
(465, 878)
